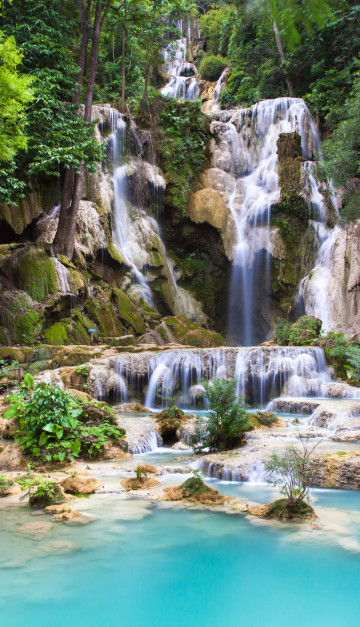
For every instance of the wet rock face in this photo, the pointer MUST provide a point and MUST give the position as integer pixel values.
(340, 470)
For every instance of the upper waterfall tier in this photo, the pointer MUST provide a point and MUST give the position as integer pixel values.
(261, 373)
(246, 157)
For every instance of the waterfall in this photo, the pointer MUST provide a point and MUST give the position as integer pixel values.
(183, 84)
(261, 373)
(247, 153)
(62, 274)
(122, 232)
(313, 291)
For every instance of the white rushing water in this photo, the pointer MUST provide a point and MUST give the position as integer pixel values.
(249, 137)
(261, 373)
(183, 84)
(122, 233)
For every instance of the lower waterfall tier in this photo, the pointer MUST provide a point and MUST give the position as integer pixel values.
(261, 373)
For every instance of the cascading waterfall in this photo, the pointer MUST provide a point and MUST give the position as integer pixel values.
(261, 373)
(183, 84)
(250, 137)
(313, 291)
(122, 231)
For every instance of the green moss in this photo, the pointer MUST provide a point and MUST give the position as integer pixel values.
(57, 334)
(106, 319)
(128, 312)
(283, 510)
(4, 337)
(194, 486)
(190, 333)
(35, 273)
(20, 318)
(182, 134)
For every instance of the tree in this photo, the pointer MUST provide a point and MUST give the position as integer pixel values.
(292, 473)
(64, 241)
(57, 136)
(226, 420)
(15, 94)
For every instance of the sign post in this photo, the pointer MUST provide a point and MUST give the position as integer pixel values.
(92, 331)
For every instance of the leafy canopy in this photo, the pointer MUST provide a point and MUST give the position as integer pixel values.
(15, 94)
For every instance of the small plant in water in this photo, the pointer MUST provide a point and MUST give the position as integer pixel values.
(141, 474)
(292, 472)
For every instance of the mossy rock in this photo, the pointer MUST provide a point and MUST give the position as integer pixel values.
(20, 317)
(168, 422)
(128, 312)
(195, 491)
(34, 271)
(104, 315)
(190, 333)
(54, 496)
(56, 334)
(6, 483)
(282, 510)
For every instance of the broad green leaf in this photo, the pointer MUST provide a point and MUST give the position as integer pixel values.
(28, 380)
(43, 439)
(75, 447)
(11, 412)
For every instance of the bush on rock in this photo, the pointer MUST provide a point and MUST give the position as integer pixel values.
(55, 427)
(226, 423)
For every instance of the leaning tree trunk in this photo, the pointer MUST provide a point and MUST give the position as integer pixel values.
(282, 56)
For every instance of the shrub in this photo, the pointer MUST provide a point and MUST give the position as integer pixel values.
(344, 355)
(306, 330)
(54, 427)
(211, 67)
(226, 420)
(292, 473)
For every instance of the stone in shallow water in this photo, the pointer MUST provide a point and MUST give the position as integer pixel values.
(80, 485)
(35, 529)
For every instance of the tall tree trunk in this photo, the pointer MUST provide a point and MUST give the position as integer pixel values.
(65, 236)
(282, 56)
(61, 236)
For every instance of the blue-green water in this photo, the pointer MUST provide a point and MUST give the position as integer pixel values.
(174, 568)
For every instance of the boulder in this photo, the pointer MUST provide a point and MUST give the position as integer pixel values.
(139, 484)
(80, 485)
(11, 457)
(133, 408)
(195, 491)
(8, 428)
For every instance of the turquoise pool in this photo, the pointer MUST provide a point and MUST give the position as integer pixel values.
(140, 565)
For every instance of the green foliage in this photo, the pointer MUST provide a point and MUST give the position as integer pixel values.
(182, 140)
(83, 369)
(344, 355)
(57, 135)
(226, 419)
(15, 94)
(342, 149)
(193, 487)
(54, 427)
(141, 473)
(304, 332)
(6, 484)
(216, 27)
(292, 473)
(290, 15)
(211, 67)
